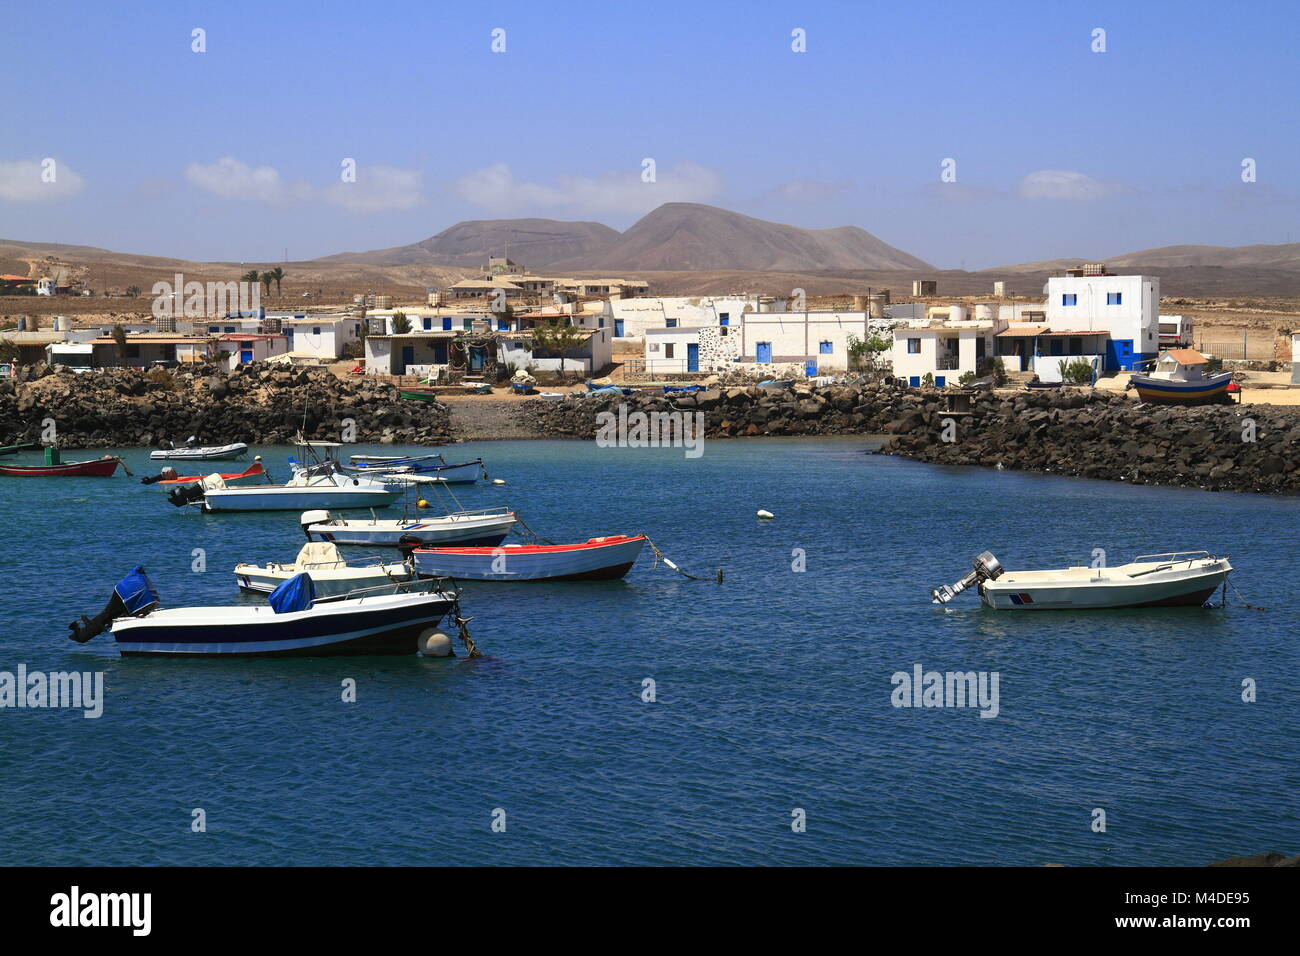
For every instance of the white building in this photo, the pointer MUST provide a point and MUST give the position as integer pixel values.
(945, 347)
(1126, 309)
(632, 317)
(817, 342)
(244, 348)
(320, 337)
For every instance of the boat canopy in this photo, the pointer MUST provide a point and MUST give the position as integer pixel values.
(136, 590)
(296, 594)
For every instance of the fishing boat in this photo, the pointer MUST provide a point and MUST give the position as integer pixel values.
(551, 396)
(460, 473)
(477, 388)
(1173, 579)
(1179, 378)
(293, 623)
(417, 393)
(487, 526)
(192, 451)
(6, 450)
(597, 559)
(331, 576)
(255, 470)
(95, 468)
(317, 487)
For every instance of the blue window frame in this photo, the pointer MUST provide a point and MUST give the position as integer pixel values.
(214, 328)
(230, 328)
(913, 346)
(1069, 298)
(446, 325)
(915, 381)
(503, 325)
(428, 324)
(724, 318)
(672, 323)
(940, 381)
(1114, 298)
(826, 348)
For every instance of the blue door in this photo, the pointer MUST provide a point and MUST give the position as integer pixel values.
(245, 356)
(692, 357)
(810, 368)
(763, 352)
(1119, 355)
(408, 356)
(446, 325)
(618, 328)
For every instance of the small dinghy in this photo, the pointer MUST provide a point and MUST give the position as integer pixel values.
(598, 559)
(331, 576)
(1175, 579)
(417, 393)
(392, 620)
(487, 526)
(168, 478)
(193, 451)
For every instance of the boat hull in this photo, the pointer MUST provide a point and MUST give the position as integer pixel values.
(591, 561)
(100, 468)
(1191, 591)
(305, 498)
(374, 627)
(1173, 392)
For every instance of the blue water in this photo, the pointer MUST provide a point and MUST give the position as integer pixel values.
(773, 689)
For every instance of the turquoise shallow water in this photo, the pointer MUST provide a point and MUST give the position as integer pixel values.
(773, 689)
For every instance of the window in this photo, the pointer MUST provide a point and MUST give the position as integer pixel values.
(826, 349)
(446, 325)
(668, 351)
(1069, 298)
(654, 346)
(724, 318)
(602, 323)
(428, 323)
(214, 328)
(725, 331)
(1076, 346)
(672, 323)
(503, 325)
(469, 325)
(230, 328)
(315, 330)
(913, 346)
(1114, 298)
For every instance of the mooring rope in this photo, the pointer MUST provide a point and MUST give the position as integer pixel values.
(660, 556)
(463, 624)
(1227, 583)
(530, 532)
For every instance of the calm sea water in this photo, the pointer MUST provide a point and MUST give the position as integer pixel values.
(773, 689)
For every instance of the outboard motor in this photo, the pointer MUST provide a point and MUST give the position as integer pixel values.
(406, 544)
(987, 568)
(134, 595)
(309, 518)
(186, 494)
(167, 474)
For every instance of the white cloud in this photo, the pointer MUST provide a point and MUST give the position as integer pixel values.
(807, 190)
(496, 188)
(376, 188)
(38, 180)
(1065, 184)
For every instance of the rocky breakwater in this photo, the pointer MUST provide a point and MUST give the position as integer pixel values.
(1077, 432)
(254, 404)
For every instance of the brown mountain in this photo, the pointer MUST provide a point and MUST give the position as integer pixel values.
(535, 243)
(691, 236)
(1283, 257)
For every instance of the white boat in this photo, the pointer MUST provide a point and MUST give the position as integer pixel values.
(392, 620)
(307, 489)
(330, 574)
(193, 452)
(432, 468)
(1174, 579)
(487, 526)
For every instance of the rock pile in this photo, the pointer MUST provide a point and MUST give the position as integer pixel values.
(254, 404)
(1093, 434)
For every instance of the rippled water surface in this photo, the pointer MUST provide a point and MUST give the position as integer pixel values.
(773, 689)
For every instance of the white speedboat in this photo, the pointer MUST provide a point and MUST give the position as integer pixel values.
(195, 452)
(293, 623)
(330, 574)
(309, 488)
(1174, 579)
(487, 526)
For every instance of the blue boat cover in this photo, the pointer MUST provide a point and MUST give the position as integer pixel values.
(296, 594)
(136, 590)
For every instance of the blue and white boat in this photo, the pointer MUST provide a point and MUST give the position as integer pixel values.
(461, 473)
(391, 620)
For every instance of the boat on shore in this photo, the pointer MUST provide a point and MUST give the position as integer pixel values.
(417, 393)
(192, 451)
(331, 576)
(103, 467)
(487, 526)
(597, 559)
(293, 623)
(1178, 378)
(1173, 579)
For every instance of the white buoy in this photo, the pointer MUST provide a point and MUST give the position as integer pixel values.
(764, 514)
(498, 481)
(434, 644)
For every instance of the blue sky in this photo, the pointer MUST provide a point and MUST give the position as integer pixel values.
(236, 153)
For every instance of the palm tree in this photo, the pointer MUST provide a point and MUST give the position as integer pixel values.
(277, 274)
(119, 339)
(250, 276)
(267, 279)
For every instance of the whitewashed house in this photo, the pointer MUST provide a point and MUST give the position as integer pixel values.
(244, 348)
(1124, 309)
(320, 337)
(946, 345)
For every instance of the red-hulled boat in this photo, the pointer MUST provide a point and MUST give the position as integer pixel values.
(252, 471)
(599, 559)
(98, 468)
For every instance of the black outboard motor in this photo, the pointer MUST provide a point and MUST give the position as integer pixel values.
(186, 494)
(134, 595)
(167, 474)
(408, 543)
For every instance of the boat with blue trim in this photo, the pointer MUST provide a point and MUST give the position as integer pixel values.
(1179, 378)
